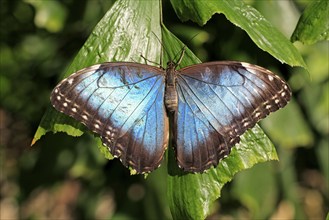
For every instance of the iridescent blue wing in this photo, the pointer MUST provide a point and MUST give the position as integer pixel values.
(217, 103)
(123, 103)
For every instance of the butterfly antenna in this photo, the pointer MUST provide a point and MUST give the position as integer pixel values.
(163, 47)
(193, 37)
(183, 51)
(181, 56)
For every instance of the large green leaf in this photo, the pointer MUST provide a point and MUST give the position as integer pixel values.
(191, 195)
(123, 34)
(313, 25)
(262, 32)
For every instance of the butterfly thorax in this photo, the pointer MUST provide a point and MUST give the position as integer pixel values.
(171, 99)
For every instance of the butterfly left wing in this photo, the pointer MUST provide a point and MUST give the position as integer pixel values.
(217, 103)
(123, 103)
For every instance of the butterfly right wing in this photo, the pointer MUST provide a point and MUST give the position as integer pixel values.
(218, 102)
(123, 103)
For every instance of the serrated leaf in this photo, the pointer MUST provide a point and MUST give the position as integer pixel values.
(261, 31)
(313, 25)
(191, 195)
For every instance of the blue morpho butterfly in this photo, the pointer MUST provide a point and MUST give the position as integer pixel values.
(212, 105)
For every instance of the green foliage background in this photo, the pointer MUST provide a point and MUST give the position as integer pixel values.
(66, 177)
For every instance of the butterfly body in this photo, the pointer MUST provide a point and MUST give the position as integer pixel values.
(171, 97)
(212, 105)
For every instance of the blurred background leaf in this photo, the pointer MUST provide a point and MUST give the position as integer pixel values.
(313, 25)
(66, 177)
(50, 15)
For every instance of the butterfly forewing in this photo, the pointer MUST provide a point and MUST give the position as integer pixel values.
(123, 103)
(218, 102)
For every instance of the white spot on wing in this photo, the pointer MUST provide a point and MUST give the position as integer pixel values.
(246, 124)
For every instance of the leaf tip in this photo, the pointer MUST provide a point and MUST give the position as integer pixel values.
(38, 134)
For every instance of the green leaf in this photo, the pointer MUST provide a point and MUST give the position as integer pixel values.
(191, 195)
(123, 34)
(313, 25)
(261, 31)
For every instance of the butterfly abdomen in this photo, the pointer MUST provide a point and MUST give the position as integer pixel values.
(171, 98)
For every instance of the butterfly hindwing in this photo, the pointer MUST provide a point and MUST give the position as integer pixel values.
(123, 103)
(218, 102)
